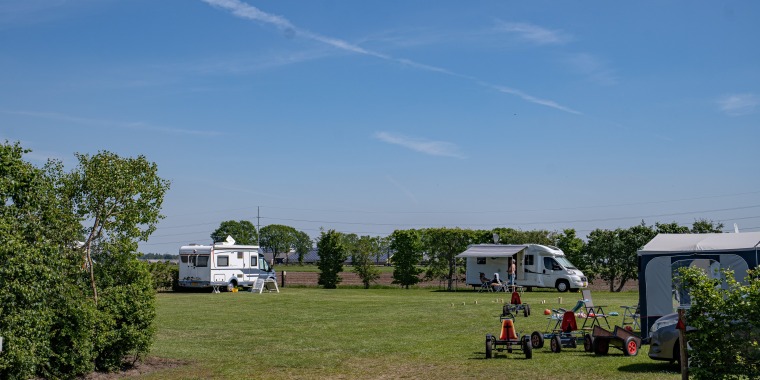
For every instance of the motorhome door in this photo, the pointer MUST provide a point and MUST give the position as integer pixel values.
(532, 270)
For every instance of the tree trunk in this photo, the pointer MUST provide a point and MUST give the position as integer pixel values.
(622, 283)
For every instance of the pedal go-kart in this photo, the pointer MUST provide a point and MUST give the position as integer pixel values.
(564, 334)
(508, 340)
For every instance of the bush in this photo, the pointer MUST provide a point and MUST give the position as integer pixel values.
(725, 344)
(165, 275)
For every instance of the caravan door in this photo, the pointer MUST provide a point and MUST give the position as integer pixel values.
(532, 271)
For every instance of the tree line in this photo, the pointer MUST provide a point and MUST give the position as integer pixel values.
(430, 253)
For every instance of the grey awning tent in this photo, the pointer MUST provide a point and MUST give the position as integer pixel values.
(663, 255)
(491, 250)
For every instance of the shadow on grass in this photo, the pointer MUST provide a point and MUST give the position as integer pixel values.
(499, 355)
(662, 367)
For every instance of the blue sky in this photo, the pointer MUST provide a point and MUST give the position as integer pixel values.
(368, 116)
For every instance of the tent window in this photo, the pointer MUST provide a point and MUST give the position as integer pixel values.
(481, 260)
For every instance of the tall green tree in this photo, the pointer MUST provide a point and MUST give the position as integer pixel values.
(442, 245)
(614, 253)
(407, 254)
(572, 246)
(332, 254)
(366, 247)
(120, 197)
(303, 244)
(277, 238)
(243, 231)
(670, 228)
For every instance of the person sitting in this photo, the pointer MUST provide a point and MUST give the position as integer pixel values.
(484, 279)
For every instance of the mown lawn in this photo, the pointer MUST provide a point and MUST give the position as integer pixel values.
(376, 333)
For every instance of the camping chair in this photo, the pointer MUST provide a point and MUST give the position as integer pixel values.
(485, 284)
(632, 313)
(593, 312)
(497, 284)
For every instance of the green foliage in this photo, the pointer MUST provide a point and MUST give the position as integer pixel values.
(302, 245)
(277, 238)
(726, 343)
(127, 304)
(703, 226)
(164, 275)
(573, 246)
(407, 248)
(51, 326)
(364, 250)
(613, 254)
(442, 245)
(332, 254)
(244, 232)
(512, 236)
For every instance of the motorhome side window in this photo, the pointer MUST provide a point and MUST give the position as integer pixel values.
(528, 259)
(199, 261)
(550, 263)
(481, 260)
(223, 261)
(254, 261)
(240, 255)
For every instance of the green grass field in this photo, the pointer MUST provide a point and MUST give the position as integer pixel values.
(375, 333)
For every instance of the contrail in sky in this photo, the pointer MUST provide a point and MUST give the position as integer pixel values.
(247, 11)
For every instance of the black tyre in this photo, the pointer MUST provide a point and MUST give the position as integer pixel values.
(556, 344)
(562, 286)
(601, 346)
(537, 339)
(630, 347)
(489, 346)
(527, 348)
(526, 311)
(588, 343)
(573, 343)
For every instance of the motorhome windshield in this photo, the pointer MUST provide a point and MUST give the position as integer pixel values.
(563, 261)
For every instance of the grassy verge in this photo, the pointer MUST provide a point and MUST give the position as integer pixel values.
(375, 333)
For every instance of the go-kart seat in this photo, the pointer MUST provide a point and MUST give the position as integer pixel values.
(508, 330)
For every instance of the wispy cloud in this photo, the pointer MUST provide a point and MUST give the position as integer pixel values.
(593, 67)
(403, 189)
(109, 123)
(534, 33)
(249, 12)
(433, 148)
(739, 104)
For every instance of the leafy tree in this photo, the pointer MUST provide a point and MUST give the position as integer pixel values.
(120, 197)
(573, 246)
(303, 244)
(512, 236)
(244, 232)
(704, 226)
(332, 254)
(442, 245)
(670, 228)
(277, 238)
(725, 343)
(363, 266)
(407, 248)
(613, 254)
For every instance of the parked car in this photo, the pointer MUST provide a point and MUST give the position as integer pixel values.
(663, 339)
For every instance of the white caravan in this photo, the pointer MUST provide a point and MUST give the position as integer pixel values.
(223, 265)
(537, 265)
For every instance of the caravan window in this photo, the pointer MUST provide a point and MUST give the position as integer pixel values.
(481, 260)
(199, 261)
(223, 261)
(240, 255)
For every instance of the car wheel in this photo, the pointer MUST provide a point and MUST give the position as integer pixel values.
(562, 286)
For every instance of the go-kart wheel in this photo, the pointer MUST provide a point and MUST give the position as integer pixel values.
(537, 339)
(630, 348)
(527, 348)
(526, 311)
(489, 346)
(528, 307)
(556, 344)
(573, 343)
(588, 344)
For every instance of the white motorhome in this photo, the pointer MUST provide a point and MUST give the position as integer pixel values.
(222, 265)
(537, 266)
